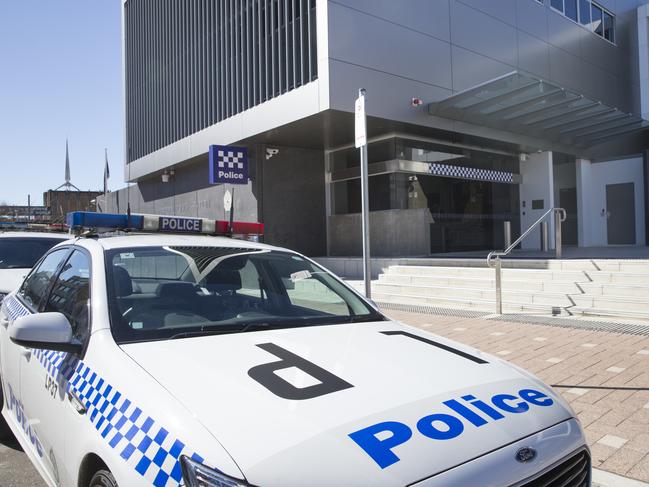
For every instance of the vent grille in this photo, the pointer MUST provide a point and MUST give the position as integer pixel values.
(573, 472)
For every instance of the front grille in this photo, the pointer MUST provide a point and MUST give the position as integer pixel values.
(573, 472)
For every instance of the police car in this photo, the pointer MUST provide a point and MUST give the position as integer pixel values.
(196, 360)
(19, 251)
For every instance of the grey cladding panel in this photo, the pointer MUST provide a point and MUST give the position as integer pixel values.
(565, 68)
(564, 33)
(428, 16)
(471, 69)
(504, 10)
(364, 40)
(533, 55)
(483, 34)
(346, 78)
(531, 17)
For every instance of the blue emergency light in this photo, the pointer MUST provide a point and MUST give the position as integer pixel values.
(80, 221)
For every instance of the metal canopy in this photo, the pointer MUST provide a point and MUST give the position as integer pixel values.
(532, 107)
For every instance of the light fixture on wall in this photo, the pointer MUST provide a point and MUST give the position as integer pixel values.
(522, 157)
(167, 175)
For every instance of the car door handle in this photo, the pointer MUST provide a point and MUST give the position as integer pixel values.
(77, 404)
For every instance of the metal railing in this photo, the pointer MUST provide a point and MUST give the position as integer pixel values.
(494, 257)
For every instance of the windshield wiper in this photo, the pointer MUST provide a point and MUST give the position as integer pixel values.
(241, 329)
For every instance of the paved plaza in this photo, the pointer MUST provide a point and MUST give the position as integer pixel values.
(604, 376)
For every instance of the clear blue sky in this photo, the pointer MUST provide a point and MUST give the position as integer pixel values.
(60, 76)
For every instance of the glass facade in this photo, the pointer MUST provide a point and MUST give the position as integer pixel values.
(468, 203)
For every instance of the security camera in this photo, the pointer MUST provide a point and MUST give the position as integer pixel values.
(271, 152)
(416, 102)
(522, 157)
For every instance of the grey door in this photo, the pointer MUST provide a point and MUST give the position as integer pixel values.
(620, 213)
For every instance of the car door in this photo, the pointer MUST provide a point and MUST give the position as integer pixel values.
(44, 376)
(27, 300)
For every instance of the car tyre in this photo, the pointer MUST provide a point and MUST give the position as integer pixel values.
(103, 478)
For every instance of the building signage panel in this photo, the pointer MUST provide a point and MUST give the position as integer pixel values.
(228, 164)
(179, 224)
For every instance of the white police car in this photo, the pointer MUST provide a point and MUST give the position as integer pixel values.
(190, 360)
(19, 251)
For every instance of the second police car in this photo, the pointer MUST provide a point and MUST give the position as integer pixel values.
(191, 360)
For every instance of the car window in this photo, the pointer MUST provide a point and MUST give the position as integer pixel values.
(222, 290)
(38, 281)
(71, 294)
(23, 252)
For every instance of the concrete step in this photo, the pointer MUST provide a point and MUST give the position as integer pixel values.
(609, 313)
(454, 303)
(619, 304)
(628, 278)
(484, 294)
(485, 282)
(515, 274)
(608, 289)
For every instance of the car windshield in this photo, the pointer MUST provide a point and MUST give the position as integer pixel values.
(23, 252)
(176, 292)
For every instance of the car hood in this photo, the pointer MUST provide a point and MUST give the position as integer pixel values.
(381, 405)
(11, 279)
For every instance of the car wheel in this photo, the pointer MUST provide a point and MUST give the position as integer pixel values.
(103, 478)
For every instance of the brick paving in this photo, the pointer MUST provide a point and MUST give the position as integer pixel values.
(604, 376)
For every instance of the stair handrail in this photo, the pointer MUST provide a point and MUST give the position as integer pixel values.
(503, 253)
(560, 217)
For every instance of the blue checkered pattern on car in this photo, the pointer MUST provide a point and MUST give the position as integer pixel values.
(149, 448)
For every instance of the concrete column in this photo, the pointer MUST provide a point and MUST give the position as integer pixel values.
(537, 186)
(586, 211)
(643, 57)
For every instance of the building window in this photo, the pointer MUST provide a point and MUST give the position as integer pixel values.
(584, 12)
(609, 27)
(589, 14)
(571, 9)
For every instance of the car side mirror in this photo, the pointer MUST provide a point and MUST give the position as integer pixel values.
(48, 331)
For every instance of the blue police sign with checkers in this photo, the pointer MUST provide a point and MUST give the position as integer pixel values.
(228, 164)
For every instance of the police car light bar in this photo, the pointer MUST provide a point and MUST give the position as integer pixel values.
(80, 221)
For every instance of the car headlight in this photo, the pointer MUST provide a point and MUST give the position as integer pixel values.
(198, 475)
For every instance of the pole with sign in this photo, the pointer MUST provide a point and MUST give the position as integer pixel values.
(361, 143)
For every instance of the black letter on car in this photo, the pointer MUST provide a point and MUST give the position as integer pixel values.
(448, 348)
(265, 375)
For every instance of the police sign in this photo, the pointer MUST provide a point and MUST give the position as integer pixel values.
(228, 164)
(180, 224)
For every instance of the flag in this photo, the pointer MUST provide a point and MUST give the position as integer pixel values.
(106, 172)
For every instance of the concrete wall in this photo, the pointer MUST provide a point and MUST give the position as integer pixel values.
(432, 49)
(186, 194)
(592, 180)
(392, 233)
(292, 204)
(538, 184)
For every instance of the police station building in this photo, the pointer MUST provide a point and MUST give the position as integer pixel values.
(480, 112)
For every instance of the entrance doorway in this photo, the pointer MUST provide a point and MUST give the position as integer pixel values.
(568, 201)
(620, 214)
